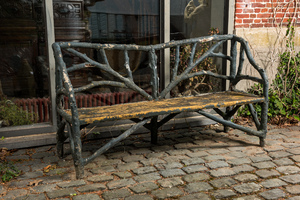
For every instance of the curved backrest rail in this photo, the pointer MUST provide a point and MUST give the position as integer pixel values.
(216, 42)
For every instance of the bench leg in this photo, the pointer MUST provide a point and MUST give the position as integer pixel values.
(262, 141)
(76, 147)
(226, 117)
(154, 130)
(60, 139)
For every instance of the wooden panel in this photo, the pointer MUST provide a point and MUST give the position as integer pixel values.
(165, 106)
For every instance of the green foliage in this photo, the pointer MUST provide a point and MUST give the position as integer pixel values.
(12, 115)
(8, 171)
(284, 94)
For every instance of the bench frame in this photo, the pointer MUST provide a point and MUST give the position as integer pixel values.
(73, 123)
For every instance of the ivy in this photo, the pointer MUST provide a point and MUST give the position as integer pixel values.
(284, 93)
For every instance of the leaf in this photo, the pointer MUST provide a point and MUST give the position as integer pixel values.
(34, 183)
(297, 117)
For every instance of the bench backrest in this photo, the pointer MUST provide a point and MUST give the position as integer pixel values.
(116, 79)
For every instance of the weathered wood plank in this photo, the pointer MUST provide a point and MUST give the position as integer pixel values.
(164, 106)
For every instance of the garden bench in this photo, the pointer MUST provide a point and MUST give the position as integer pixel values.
(156, 109)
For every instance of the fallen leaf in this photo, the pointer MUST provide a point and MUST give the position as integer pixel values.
(34, 183)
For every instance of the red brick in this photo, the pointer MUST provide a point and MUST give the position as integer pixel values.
(242, 15)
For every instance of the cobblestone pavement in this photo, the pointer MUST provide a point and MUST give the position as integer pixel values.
(193, 163)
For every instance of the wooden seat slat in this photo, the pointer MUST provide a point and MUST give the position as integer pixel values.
(164, 106)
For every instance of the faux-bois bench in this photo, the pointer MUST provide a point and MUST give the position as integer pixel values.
(156, 109)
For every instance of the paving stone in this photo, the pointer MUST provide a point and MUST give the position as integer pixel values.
(201, 196)
(246, 177)
(172, 172)
(19, 184)
(120, 183)
(103, 169)
(152, 161)
(279, 154)
(86, 196)
(194, 168)
(288, 169)
(30, 175)
(128, 166)
(221, 194)
(144, 187)
(109, 162)
(296, 158)
(178, 152)
(51, 159)
(265, 173)
(243, 168)
(293, 179)
(291, 145)
(283, 162)
(91, 188)
(193, 161)
(115, 194)
(42, 155)
(214, 158)
(251, 197)
(15, 193)
(197, 187)
(196, 177)
(61, 193)
(273, 148)
(197, 154)
(295, 151)
(239, 161)
(273, 194)
(140, 151)
(222, 172)
(262, 158)
(294, 189)
(172, 165)
(147, 177)
(32, 197)
(223, 182)
(144, 170)
(18, 157)
(236, 154)
(100, 178)
(167, 193)
(271, 183)
(139, 197)
(264, 165)
(294, 198)
(217, 164)
(247, 188)
(123, 174)
(71, 183)
(170, 182)
(170, 159)
(43, 188)
(218, 151)
(133, 158)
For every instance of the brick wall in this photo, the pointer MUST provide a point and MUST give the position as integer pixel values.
(266, 13)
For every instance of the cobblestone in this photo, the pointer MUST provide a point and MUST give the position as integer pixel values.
(247, 188)
(184, 166)
(197, 187)
(273, 194)
(167, 193)
(223, 182)
(144, 187)
(271, 183)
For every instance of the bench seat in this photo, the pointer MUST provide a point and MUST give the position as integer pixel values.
(164, 106)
